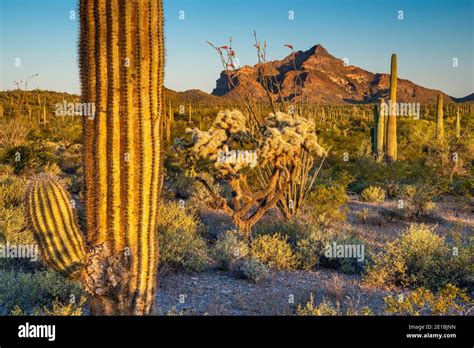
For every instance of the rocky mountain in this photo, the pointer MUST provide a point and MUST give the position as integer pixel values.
(467, 98)
(317, 76)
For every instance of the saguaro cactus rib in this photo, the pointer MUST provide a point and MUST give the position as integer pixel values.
(121, 64)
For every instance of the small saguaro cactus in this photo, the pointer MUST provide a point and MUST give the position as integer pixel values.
(439, 118)
(458, 123)
(121, 57)
(391, 150)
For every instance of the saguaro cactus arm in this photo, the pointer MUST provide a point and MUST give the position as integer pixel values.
(51, 216)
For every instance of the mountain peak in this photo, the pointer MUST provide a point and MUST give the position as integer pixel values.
(319, 50)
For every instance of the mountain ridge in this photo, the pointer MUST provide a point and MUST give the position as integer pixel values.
(318, 76)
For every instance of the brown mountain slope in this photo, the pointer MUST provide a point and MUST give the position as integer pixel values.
(318, 76)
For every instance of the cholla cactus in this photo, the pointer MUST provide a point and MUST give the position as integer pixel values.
(213, 144)
(284, 139)
(286, 136)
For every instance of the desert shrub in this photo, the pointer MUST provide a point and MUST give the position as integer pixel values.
(252, 270)
(344, 242)
(301, 237)
(463, 187)
(373, 194)
(325, 308)
(13, 132)
(5, 170)
(14, 230)
(308, 251)
(450, 300)
(363, 215)
(27, 158)
(326, 204)
(229, 247)
(71, 159)
(30, 290)
(417, 200)
(419, 258)
(274, 251)
(12, 191)
(64, 130)
(179, 238)
(293, 230)
(309, 244)
(58, 308)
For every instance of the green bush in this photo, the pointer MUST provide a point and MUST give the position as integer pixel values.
(450, 300)
(349, 264)
(308, 251)
(326, 204)
(293, 230)
(229, 248)
(373, 194)
(417, 200)
(12, 191)
(181, 244)
(419, 258)
(325, 308)
(274, 251)
(30, 290)
(252, 270)
(309, 243)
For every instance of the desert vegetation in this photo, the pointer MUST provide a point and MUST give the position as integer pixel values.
(186, 203)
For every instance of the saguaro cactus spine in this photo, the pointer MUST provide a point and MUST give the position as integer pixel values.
(392, 117)
(121, 65)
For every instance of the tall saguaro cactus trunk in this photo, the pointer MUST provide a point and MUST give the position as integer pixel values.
(121, 64)
(458, 123)
(439, 118)
(378, 130)
(391, 150)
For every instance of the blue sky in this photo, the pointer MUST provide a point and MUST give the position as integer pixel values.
(431, 34)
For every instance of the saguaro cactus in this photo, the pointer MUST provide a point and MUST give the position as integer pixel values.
(458, 123)
(392, 117)
(121, 65)
(378, 129)
(439, 118)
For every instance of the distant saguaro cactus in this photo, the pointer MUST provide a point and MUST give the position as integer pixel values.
(378, 130)
(458, 123)
(439, 118)
(121, 57)
(391, 150)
